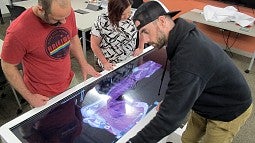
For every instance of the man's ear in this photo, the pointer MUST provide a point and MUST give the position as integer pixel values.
(162, 21)
(40, 9)
(137, 23)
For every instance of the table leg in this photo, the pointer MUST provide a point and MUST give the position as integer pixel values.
(84, 43)
(1, 17)
(251, 63)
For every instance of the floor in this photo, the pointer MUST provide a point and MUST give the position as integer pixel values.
(8, 105)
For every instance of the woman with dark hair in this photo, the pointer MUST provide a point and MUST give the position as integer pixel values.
(114, 35)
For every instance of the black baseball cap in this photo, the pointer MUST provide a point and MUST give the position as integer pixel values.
(149, 11)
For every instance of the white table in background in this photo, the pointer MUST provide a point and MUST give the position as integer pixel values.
(26, 4)
(196, 16)
(84, 22)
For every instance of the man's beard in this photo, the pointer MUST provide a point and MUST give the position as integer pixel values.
(46, 19)
(56, 24)
(161, 40)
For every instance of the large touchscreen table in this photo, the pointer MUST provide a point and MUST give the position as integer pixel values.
(100, 112)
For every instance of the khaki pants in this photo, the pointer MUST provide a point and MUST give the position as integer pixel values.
(213, 131)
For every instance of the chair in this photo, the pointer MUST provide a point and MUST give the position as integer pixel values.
(3, 85)
(15, 11)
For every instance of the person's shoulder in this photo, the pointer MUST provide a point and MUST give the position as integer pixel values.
(127, 23)
(103, 18)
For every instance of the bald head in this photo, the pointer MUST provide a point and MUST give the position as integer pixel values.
(47, 5)
(54, 12)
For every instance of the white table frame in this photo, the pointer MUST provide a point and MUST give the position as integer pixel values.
(7, 135)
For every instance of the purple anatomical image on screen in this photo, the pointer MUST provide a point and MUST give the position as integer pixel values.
(115, 111)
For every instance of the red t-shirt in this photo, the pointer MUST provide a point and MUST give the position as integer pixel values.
(43, 50)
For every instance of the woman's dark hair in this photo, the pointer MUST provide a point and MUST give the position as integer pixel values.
(116, 8)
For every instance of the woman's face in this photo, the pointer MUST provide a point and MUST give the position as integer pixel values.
(126, 13)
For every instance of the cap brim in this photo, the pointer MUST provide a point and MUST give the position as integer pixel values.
(173, 13)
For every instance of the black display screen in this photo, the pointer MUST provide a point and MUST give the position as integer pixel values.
(103, 111)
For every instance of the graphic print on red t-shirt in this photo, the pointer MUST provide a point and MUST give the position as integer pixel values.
(57, 43)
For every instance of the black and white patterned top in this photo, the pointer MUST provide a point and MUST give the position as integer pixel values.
(117, 43)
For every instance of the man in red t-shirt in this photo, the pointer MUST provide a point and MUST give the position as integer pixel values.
(42, 38)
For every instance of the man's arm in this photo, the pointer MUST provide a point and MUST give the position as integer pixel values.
(140, 47)
(76, 51)
(183, 90)
(14, 77)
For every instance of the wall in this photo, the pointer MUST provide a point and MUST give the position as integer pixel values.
(245, 45)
